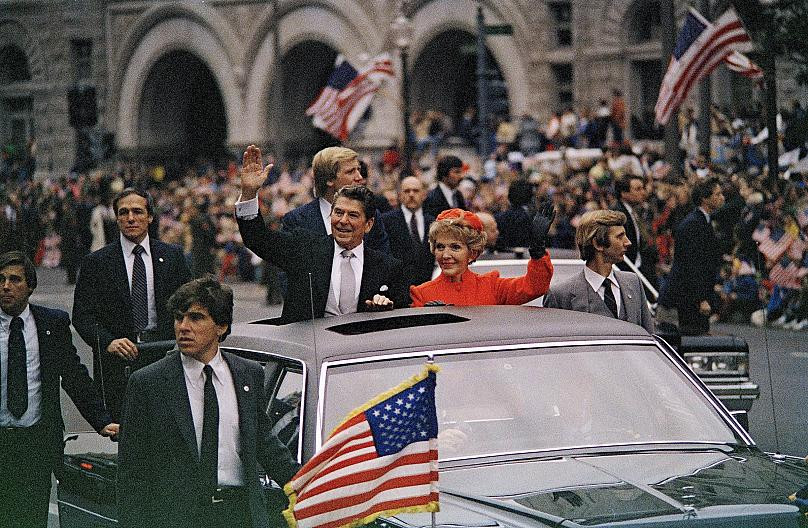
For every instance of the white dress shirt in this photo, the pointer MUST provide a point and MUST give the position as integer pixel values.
(448, 194)
(419, 219)
(325, 212)
(129, 260)
(596, 280)
(34, 412)
(357, 264)
(638, 260)
(231, 472)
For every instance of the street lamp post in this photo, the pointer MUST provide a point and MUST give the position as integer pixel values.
(402, 32)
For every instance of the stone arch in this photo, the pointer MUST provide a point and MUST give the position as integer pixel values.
(13, 65)
(609, 18)
(13, 33)
(434, 18)
(199, 14)
(177, 34)
(318, 23)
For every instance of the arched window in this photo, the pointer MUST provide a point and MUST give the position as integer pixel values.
(13, 65)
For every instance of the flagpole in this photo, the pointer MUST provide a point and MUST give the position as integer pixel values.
(705, 101)
(672, 154)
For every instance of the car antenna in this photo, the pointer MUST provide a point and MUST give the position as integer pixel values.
(769, 364)
(100, 367)
(313, 331)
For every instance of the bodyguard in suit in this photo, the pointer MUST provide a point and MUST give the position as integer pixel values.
(121, 293)
(408, 227)
(195, 428)
(696, 262)
(632, 195)
(339, 272)
(334, 168)
(36, 354)
(446, 195)
(514, 224)
(599, 288)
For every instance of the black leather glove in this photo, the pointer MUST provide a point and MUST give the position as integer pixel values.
(435, 303)
(541, 225)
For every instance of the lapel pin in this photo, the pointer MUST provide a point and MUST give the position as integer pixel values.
(383, 288)
(630, 297)
(246, 388)
(47, 332)
(160, 259)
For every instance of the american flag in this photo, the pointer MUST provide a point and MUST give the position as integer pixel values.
(773, 244)
(740, 63)
(797, 249)
(787, 273)
(348, 94)
(382, 459)
(802, 218)
(700, 47)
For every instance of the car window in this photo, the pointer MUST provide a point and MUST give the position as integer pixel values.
(546, 398)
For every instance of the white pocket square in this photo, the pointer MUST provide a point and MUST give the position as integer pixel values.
(384, 288)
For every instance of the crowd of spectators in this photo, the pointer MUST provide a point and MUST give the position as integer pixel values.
(574, 160)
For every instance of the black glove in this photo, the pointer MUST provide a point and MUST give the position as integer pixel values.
(541, 225)
(435, 303)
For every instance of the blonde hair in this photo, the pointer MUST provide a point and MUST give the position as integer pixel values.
(594, 227)
(459, 230)
(326, 164)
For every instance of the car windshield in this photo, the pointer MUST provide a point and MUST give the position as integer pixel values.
(546, 398)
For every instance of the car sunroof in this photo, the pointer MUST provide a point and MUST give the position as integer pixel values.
(393, 323)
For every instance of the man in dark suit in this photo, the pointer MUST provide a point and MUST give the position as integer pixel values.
(446, 195)
(121, 293)
(632, 195)
(408, 227)
(36, 353)
(195, 428)
(599, 289)
(334, 168)
(696, 262)
(515, 224)
(338, 272)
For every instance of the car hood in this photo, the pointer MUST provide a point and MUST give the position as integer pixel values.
(711, 487)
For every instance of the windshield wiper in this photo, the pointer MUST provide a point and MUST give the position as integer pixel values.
(508, 513)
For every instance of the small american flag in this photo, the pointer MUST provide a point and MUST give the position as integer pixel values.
(773, 244)
(787, 273)
(348, 94)
(382, 459)
(797, 249)
(700, 47)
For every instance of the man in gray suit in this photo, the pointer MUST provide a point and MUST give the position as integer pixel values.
(600, 288)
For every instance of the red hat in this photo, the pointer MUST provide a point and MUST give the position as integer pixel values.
(464, 217)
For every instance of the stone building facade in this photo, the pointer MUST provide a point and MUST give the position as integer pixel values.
(168, 74)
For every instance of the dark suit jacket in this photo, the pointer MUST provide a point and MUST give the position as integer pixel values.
(418, 261)
(435, 202)
(102, 304)
(308, 217)
(303, 253)
(159, 479)
(515, 227)
(696, 262)
(577, 294)
(59, 361)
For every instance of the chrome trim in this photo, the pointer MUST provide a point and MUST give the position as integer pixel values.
(451, 351)
(683, 367)
(302, 393)
(552, 450)
(94, 514)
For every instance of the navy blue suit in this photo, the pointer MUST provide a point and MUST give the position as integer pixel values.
(515, 227)
(694, 272)
(102, 306)
(308, 217)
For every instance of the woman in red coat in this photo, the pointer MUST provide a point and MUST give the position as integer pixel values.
(456, 238)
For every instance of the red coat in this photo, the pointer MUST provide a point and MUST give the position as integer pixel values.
(476, 290)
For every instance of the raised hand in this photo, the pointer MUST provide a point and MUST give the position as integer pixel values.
(253, 173)
(542, 221)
